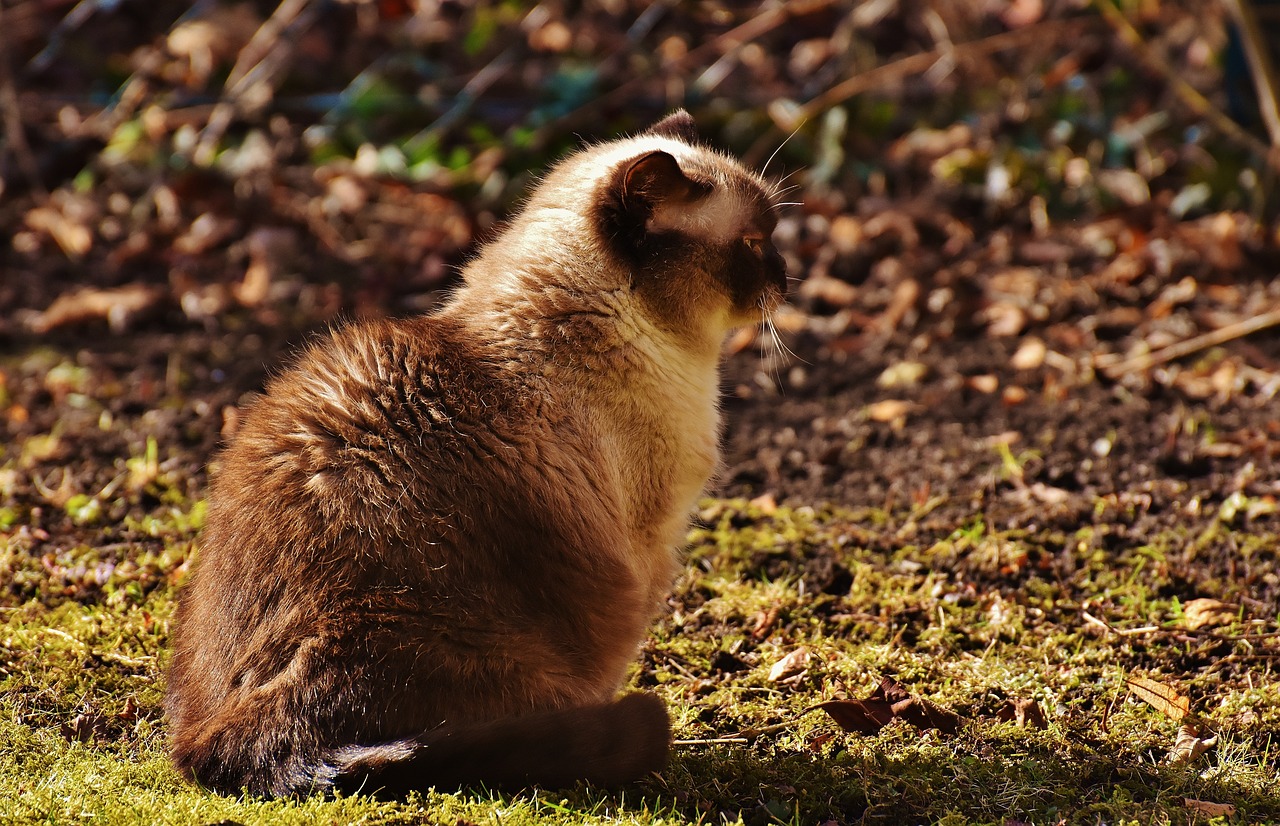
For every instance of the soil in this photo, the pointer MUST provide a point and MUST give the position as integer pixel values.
(1141, 459)
(984, 285)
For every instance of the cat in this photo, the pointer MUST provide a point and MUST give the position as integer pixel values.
(435, 544)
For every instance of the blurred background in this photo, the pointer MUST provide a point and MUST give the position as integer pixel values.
(1023, 392)
(324, 157)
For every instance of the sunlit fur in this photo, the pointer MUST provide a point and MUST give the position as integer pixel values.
(435, 544)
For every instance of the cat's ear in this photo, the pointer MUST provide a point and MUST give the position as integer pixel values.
(655, 178)
(679, 125)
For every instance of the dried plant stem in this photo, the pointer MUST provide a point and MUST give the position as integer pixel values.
(1190, 97)
(1039, 33)
(723, 44)
(1255, 52)
(1177, 350)
(895, 71)
(257, 62)
(1121, 632)
(712, 741)
(14, 134)
(741, 737)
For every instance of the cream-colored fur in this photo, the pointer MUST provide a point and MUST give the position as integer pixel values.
(653, 401)
(435, 543)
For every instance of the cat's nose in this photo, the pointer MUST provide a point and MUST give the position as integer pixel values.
(777, 269)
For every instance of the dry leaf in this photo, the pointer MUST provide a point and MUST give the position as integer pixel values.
(902, 374)
(252, 290)
(741, 339)
(896, 222)
(116, 305)
(1202, 613)
(1209, 809)
(66, 220)
(1123, 269)
(1160, 697)
(860, 716)
(787, 319)
(1029, 355)
(1026, 713)
(204, 233)
(554, 37)
(1019, 13)
(828, 290)
(1126, 185)
(1048, 494)
(889, 701)
(790, 666)
(1004, 318)
(765, 622)
(1013, 396)
(845, 234)
(85, 727)
(269, 249)
(1019, 283)
(1189, 745)
(984, 383)
(891, 411)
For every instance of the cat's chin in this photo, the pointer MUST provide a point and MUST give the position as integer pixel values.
(773, 298)
(765, 306)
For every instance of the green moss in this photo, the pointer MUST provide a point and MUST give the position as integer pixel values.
(82, 733)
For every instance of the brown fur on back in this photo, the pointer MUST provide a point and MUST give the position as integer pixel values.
(439, 540)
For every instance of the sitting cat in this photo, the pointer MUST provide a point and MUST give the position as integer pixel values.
(435, 544)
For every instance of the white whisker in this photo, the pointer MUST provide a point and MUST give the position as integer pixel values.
(778, 189)
(779, 149)
(782, 353)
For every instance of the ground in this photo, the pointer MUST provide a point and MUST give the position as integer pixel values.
(1015, 448)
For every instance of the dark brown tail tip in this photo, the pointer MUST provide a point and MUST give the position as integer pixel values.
(608, 745)
(642, 720)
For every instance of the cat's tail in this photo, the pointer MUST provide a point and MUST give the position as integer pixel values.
(607, 745)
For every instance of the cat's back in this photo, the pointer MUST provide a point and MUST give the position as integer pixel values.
(359, 475)
(387, 385)
(376, 427)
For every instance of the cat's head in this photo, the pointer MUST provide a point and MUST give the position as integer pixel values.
(693, 226)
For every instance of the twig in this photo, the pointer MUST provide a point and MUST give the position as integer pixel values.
(1040, 33)
(724, 44)
(745, 32)
(896, 70)
(77, 17)
(742, 737)
(1177, 350)
(756, 732)
(1192, 99)
(260, 58)
(132, 662)
(1255, 52)
(1123, 632)
(14, 134)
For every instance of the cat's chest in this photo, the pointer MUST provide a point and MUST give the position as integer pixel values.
(667, 443)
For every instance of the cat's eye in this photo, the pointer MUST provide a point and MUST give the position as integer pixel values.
(755, 243)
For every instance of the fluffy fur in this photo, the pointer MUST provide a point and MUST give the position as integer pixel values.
(435, 544)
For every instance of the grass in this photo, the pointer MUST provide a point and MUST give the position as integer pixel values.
(965, 621)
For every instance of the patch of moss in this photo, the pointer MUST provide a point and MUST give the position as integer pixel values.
(969, 623)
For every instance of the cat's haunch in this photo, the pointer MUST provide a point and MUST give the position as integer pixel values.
(435, 544)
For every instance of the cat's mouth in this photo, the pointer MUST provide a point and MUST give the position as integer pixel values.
(774, 294)
(775, 288)
(771, 297)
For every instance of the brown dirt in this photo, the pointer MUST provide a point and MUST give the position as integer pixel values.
(1009, 306)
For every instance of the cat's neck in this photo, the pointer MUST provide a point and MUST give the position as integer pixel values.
(607, 335)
